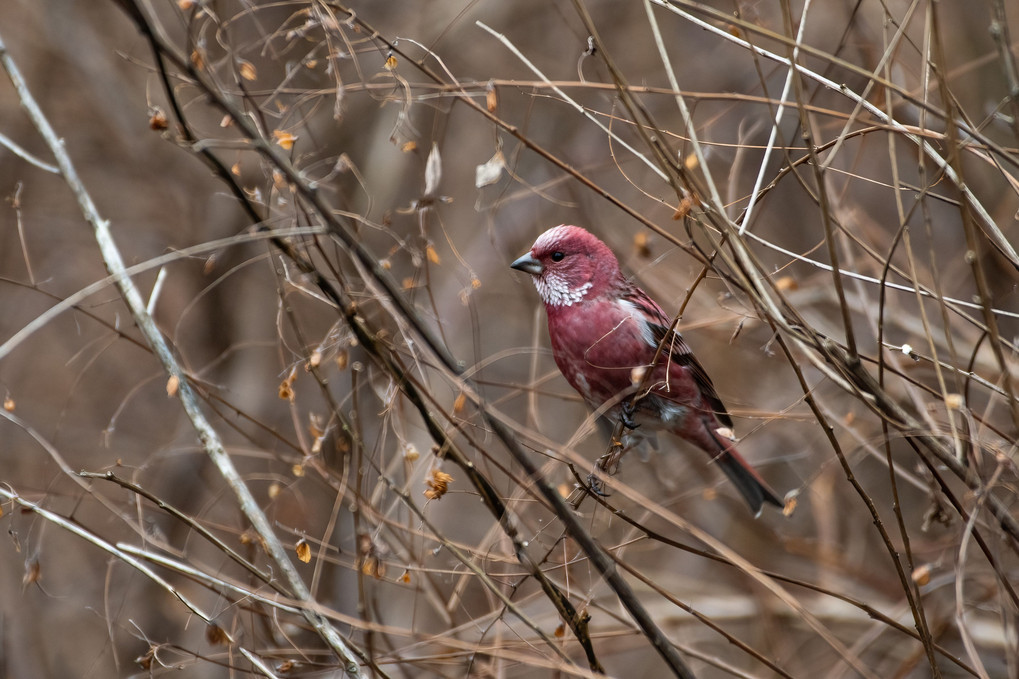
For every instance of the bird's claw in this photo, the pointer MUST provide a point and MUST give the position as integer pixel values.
(626, 413)
(594, 484)
(608, 464)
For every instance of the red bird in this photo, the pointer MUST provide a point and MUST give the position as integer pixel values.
(605, 332)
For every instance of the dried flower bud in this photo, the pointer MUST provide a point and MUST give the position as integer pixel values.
(303, 550)
(438, 484)
(284, 139)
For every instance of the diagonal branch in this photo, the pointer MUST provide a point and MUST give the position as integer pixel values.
(207, 434)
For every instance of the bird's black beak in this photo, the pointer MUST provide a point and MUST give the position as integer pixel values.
(528, 264)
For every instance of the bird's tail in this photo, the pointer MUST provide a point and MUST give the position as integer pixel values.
(747, 481)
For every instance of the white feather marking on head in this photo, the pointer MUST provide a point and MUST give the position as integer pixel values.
(552, 287)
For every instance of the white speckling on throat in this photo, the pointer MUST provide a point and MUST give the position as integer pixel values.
(556, 291)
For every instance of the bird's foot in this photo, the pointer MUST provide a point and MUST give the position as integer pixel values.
(606, 464)
(594, 484)
(626, 412)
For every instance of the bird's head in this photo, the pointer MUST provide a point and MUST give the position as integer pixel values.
(569, 265)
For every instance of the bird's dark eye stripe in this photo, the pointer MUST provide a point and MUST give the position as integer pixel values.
(557, 256)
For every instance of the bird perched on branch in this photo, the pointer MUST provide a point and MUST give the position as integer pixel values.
(606, 333)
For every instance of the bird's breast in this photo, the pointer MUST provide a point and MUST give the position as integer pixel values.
(598, 347)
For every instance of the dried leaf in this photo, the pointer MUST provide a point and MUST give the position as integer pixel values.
(409, 146)
(303, 550)
(368, 556)
(216, 635)
(157, 119)
(33, 572)
(391, 63)
(342, 359)
(284, 139)
(286, 390)
(315, 425)
(491, 98)
(922, 574)
(684, 208)
(431, 253)
(341, 443)
(459, 403)
(298, 470)
(490, 172)
(433, 172)
(364, 545)
(641, 245)
(374, 567)
(248, 71)
(786, 283)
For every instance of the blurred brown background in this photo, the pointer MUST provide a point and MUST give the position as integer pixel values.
(85, 393)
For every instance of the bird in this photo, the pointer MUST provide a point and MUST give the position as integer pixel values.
(605, 333)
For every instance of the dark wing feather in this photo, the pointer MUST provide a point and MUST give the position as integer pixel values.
(681, 354)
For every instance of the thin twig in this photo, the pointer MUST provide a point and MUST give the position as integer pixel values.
(207, 434)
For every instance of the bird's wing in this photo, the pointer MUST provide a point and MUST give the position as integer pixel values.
(679, 352)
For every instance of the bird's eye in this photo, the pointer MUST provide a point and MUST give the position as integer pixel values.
(558, 256)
